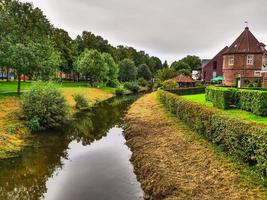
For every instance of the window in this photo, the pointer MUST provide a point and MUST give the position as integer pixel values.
(231, 60)
(257, 73)
(250, 59)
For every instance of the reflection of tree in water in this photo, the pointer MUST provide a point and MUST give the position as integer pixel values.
(25, 177)
(90, 126)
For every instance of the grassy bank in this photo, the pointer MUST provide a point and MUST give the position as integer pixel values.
(13, 133)
(172, 162)
(200, 99)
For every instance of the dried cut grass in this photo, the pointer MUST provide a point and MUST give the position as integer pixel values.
(171, 164)
(92, 94)
(12, 132)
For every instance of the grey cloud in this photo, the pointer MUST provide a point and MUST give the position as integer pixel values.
(168, 28)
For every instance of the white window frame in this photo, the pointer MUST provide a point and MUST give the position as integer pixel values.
(231, 60)
(250, 59)
(257, 73)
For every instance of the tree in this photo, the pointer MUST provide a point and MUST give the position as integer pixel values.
(154, 64)
(92, 65)
(178, 65)
(165, 64)
(66, 47)
(193, 61)
(166, 73)
(113, 69)
(144, 72)
(26, 39)
(184, 72)
(127, 70)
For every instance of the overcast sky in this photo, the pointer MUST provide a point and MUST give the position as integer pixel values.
(169, 29)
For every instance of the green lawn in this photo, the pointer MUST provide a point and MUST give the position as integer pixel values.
(200, 98)
(11, 86)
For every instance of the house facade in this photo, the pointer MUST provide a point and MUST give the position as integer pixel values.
(213, 67)
(245, 58)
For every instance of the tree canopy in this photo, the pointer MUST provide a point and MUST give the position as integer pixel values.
(144, 72)
(127, 70)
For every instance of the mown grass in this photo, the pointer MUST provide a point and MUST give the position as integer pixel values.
(173, 162)
(200, 98)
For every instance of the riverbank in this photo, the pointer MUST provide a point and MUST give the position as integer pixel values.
(14, 134)
(172, 162)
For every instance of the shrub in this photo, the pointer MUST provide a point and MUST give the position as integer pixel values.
(112, 83)
(188, 91)
(119, 92)
(142, 82)
(81, 101)
(132, 86)
(44, 107)
(246, 140)
(169, 84)
(254, 101)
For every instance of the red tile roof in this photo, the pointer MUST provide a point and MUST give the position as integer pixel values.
(246, 43)
(184, 79)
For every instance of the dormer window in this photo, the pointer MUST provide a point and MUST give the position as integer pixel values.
(231, 60)
(250, 59)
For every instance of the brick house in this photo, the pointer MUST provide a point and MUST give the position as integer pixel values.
(214, 67)
(246, 57)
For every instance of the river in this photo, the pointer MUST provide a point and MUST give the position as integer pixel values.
(88, 160)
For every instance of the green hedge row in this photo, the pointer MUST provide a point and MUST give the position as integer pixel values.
(246, 140)
(254, 101)
(188, 91)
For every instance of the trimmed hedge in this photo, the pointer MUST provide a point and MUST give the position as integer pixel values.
(254, 101)
(246, 140)
(188, 91)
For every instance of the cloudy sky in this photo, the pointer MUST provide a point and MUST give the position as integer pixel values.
(169, 29)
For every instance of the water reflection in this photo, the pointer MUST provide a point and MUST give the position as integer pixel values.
(26, 177)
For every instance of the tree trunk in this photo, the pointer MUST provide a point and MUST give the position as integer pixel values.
(7, 74)
(24, 78)
(19, 80)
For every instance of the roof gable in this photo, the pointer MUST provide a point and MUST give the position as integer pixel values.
(246, 43)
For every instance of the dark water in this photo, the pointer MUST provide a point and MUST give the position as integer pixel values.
(89, 161)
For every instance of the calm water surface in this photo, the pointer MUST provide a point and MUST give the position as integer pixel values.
(89, 161)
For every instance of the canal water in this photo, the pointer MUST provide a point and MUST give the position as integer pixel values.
(89, 161)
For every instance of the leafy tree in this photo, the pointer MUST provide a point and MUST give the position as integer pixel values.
(154, 64)
(26, 39)
(144, 72)
(127, 70)
(113, 69)
(184, 72)
(92, 65)
(193, 61)
(165, 64)
(166, 73)
(178, 65)
(66, 47)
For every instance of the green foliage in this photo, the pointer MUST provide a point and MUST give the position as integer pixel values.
(44, 105)
(142, 82)
(113, 69)
(120, 91)
(144, 72)
(169, 84)
(180, 65)
(92, 65)
(33, 124)
(132, 86)
(81, 101)
(185, 72)
(245, 140)
(250, 100)
(166, 74)
(188, 91)
(127, 70)
(193, 61)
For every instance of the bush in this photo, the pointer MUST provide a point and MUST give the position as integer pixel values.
(169, 84)
(112, 83)
(119, 92)
(254, 101)
(246, 140)
(142, 82)
(44, 107)
(188, 91)
(81, 101)
(132, 86)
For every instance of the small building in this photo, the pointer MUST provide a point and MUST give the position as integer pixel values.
(185, 81)
(213, 67)
(245, 58)
(197, 73)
